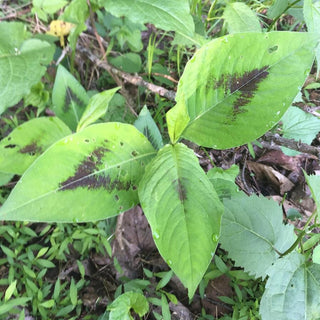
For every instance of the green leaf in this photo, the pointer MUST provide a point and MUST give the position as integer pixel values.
(76, 12)
(88, 176)
(277, 8)
(311, 12)
(164, 14)
(146, 125)
(313, 182)
(165, 310)
(128, 62)
(316, 254)
(96, 108)
(224, 181)
(69, 98)
(292, 290)
(299, 125)
(252, 231)
(44, 7)
(177, 120)
(73, 292)
(47, 304)
(120, 308)
(184, 212)
(238, 80)
(10, 290)
(45, 263)
(26, 142)
(22, 62)
(240, 18)
(8, 306)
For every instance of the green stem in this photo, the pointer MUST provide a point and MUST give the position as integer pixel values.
(211, 8)
(276, 19)
(303, 232)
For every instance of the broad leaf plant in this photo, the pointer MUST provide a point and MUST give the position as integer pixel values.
(233, 90)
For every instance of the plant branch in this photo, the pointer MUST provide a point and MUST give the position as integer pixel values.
(291, 144)
(133, 79)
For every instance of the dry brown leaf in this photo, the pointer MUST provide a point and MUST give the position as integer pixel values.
(266, 174)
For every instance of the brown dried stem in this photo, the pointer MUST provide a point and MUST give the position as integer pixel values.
(291, 144)
(133, 79)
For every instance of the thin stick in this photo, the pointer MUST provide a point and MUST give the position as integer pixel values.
(291, 144)
(133, 79)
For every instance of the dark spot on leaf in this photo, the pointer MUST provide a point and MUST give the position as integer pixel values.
(121, 143)
(9, 138)
(134, 187)
(83, 176)
(116, 197)
(71, 97)
(106, 140)
(86, 140)
(121, 208)
(273, 49)
(247, 85)
(219, 83)
(134, 153)
(11, 146)
(32, 149)
(180, 189)
(87, 176)
(99, 153)
(142, 163)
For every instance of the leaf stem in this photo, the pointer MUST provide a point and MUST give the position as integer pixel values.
(303, 232)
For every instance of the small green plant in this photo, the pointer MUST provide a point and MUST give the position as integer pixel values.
(233, 90)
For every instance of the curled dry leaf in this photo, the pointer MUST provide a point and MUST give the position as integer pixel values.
(266, 174)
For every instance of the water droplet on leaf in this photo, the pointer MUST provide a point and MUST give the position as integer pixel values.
(155, 235)
(215, 237)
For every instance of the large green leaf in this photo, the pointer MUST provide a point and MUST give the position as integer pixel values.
(183, 211)
(252, 232)
(240, 18)
(233, 88)
(292, 290)
(22, 62)
(91, 175)
(165, 14)
(26, 142)
(69, 98)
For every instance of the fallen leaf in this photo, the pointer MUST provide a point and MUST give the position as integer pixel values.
(266, 174)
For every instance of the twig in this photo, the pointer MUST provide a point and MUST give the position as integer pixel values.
(133, 79)
(291, 144)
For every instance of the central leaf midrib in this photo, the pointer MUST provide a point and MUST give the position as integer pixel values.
(175, 160)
